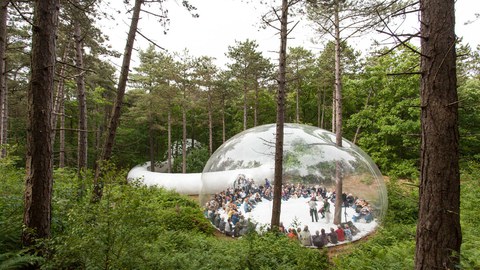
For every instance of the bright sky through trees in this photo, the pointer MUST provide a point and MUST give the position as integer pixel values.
(221, 22)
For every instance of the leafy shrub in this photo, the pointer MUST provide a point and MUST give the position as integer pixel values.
(124, 224)
(11, 206)
(469, 203)
(402, 203)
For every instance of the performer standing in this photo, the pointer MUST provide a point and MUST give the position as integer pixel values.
(313, 209)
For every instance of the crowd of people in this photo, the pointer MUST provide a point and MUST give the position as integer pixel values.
(320, 238)
(227, 210)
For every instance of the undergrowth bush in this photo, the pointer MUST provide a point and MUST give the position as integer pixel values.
(12, 255)
(138, 227)
(470, 216)
(393, 245)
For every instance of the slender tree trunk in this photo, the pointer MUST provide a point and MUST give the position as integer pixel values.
(117, 108)
(297, 99)
(337, 219)
(319, 108)
(223, 125)
(210, 124)
(61, 158)
(152, 147)
(277, 188)
(334, 107)
(3, 76)
(324, 105)
(169, 139)
(39, 163)
(255, 113)
(4, 129)
(59, 93)
(82, 100)
(245, 91)
(184, 141)
(357, 132)
(439, 235)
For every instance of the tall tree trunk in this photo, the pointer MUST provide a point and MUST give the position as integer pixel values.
(59, 93)
(337, 218)
(169, 140)
(4, 119)
(61, 158)
(357, 132)
(277, 188)
(210, 124)
(255, 112)
(152, 147)
(82, 100)
(39, 164)
(117, 108)
(334, 107)
(223, 121)
(324, 105)
(319, 108)
(439, 233)
(297, 98)
(245, 91)
(3, 75)
(184, 141)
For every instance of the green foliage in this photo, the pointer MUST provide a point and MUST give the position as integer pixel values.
(137, 227)
(274, 251)
(389, 115)
(469, 203)
(469, 117)
(196, 160)
(122, 225)
(402, 203)
(19, 260)
(11, 205)
(12, 256)
(393, 245)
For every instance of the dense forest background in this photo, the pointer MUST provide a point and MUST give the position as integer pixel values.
(176, 99)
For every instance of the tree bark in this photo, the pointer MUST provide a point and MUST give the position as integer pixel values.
(245, 110)
(223, 125)
(169, 141)
(39, 163)
(357, 132)
(255, 112)
(184, 139)
(297, 97)
(117, 108)
(4, 129)
(277, 188)
(210, 123)
(82, 100)
(59, 93)
(438, 230)
(3, 76)
(337, 218)
(152, 146)
(61, 158)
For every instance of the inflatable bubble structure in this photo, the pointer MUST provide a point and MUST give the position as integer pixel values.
(240, 175)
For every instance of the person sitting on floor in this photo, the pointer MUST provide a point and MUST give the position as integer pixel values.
(317, 240)
(332, 237)
(305, 237)
(340, 233)
(348, 233)
(291, 234)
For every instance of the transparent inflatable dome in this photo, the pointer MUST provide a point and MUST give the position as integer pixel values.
(237, 182)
